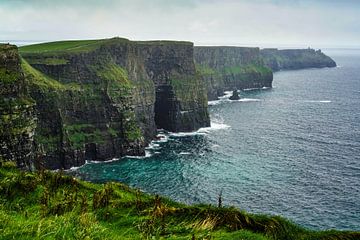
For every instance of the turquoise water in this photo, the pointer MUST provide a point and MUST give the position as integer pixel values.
(293, 150)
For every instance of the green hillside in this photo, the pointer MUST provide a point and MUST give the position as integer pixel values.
(48, 205)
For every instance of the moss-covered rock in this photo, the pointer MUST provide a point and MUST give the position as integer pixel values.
(17, 118)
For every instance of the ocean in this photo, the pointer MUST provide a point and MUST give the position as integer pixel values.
(293, 150)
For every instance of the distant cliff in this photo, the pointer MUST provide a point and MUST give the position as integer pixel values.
(229, 68)
(99, 99)
(295, 59)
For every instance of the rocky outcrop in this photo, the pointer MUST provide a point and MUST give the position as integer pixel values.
(17, 117)
(101, 99)
(228, 68)
(235, 95)
(295, 59)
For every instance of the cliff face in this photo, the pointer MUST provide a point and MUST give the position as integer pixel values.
(181, 102)
(17, 117)
(295, 59)
(105, 98)
(229, 68)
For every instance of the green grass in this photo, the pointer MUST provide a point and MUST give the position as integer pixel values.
(48, 205)
(263, 70)
(75, 45)
(163, 42)
(48, 61)
(206, 70)
(72, 46)
(87, 45)
(44, 82)
(79, 134)
(39, 79)
(8, 77)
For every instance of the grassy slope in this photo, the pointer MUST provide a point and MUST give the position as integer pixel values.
(63, 46)
(47, 205)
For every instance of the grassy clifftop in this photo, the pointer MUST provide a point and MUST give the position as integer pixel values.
(46, 205)
(71, 46)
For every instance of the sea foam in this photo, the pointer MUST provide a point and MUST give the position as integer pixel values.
(318, 101)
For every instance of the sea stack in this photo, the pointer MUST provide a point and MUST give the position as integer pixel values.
(235, 95)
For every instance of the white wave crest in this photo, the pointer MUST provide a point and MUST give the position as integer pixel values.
(202, 131)
(251, 89)
(153, 145)
(147, 155)
(249, 100)
(184, 153)
(161, 138)
(213, 127)
(107, 161)
(74, 168)
(226, 95)
(214, 102)
(185, 134)
(318, 101)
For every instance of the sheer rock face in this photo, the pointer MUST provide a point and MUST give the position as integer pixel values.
(228, 68)
(17, 118)
(181, 102)
(295, 59)
(107, 100)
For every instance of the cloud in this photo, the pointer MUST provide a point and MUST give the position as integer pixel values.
(226, 22)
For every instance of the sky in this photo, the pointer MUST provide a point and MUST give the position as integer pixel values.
(323, 23)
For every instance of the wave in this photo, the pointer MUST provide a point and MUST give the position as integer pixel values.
(317, 101)
(161, 137)
(90, 162)
(252, 89)
(153, 145)
(216, 126)
(248, 100)
(185, 134)
(107, 161)
(202, 131)
(184, 153)
(216, 102)
(147, 155)
(74, 168)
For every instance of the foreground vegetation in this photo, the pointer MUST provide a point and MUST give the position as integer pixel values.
(48, 205)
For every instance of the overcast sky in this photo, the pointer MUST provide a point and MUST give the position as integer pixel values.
(205, 22)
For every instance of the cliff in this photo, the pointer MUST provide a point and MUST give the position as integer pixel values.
(295, 59)
(229, 68)
(101, 99)
(17, 116)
